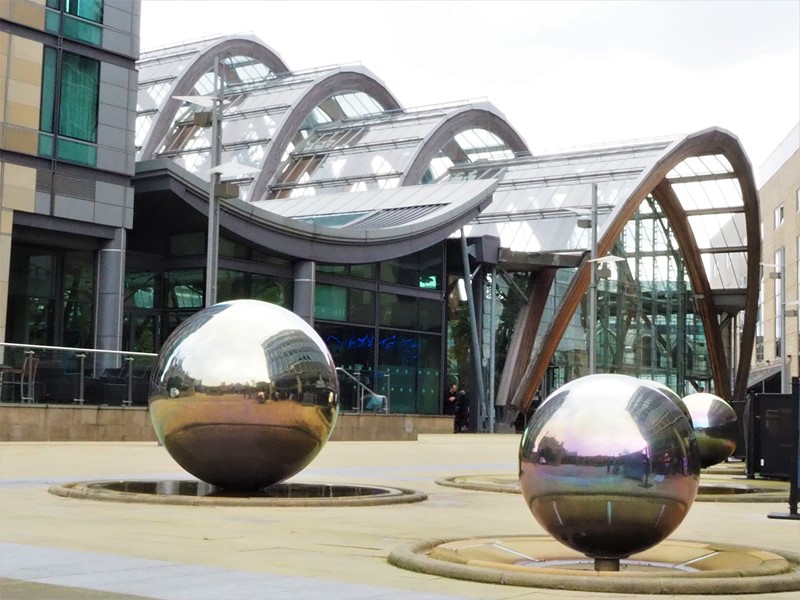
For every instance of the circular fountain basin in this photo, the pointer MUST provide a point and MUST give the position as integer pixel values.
(672, 567)
(193, 492)
(714, 490)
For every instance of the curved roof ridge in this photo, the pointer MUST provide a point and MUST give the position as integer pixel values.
(221, 47)
(327, 84)
(482, 115)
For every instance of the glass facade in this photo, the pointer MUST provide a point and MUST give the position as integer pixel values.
(389, 340)
(648, 325)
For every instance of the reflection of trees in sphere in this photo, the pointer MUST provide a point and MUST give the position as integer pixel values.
(715, 426)
(608, 465)
(244, 394)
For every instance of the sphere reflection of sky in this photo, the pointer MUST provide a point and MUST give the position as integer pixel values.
(610, 430)
(231, 349)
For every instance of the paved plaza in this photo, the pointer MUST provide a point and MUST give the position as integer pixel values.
(56, 547)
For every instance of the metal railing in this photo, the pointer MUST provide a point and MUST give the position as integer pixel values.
(62, 372)
(375, 403)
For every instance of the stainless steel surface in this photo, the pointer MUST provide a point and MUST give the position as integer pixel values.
(715, 425)
(608, 465)
(669, 393)
(244, 394)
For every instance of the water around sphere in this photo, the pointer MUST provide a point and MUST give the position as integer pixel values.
(715, 425)
(608, 465)
(244, 394)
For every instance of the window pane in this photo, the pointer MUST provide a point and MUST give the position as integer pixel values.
(140, 290)
(45, 145)
(52, 22)
(398, 311)
(86, 9)
(82, 31)
(79, 92)
(330, 303)
(430, 315)
(362, 306)
(48, 90)
(77, 152)
(78, 294)
(184, 289)
(272, 289)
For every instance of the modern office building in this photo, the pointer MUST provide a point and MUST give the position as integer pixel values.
(367, 218)
(777, 356)
(68, 102)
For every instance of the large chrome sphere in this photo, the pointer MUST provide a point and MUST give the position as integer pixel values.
(715, 426)
(244, 394)
(608, 465)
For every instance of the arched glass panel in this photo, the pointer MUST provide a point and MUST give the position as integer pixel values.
(647, 321)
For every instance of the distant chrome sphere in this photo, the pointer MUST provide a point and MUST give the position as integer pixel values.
(244, 394)
(608, 465)
(667, 391)
(715, 425)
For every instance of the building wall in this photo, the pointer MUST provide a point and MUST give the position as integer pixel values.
(64, 192)
(781, 190)
(47, 423)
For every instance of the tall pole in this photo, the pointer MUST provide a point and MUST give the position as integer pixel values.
(212, 245)
(785, 383)
(473, 327)
(593, 286)
(492, 329)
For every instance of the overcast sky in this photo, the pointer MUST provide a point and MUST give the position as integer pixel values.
(565, 74)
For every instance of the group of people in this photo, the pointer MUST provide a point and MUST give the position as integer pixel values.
(456, 403)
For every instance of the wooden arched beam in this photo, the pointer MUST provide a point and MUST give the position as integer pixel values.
(669, 202)
(709, 141)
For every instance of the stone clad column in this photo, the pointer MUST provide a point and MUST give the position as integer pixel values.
(304, 283)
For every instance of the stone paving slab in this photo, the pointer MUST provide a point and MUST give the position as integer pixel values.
(280, 552)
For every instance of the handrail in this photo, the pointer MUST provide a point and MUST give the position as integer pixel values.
(361, 388)
(80, 353)
(73, 349)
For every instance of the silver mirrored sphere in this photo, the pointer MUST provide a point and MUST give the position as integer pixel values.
(715, 425)
(608, 465)
(669, 393)
(244, 394)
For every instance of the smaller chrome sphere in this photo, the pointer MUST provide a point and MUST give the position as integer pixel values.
(608, 465)
(667, 391)
(715, 425)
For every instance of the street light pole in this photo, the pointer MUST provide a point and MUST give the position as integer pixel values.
(593, 286)
(212, 245)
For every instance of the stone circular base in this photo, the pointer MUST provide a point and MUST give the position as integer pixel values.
(672, 567)
(712, 489)
(198, 493)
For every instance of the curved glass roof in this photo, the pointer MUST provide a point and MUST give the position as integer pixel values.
(540, 201)
(373, 153)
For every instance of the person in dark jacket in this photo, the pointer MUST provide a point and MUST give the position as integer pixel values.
(461, 421)
(450, 399)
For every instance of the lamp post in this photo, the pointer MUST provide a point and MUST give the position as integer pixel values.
(211, 116)
(778, 273)
(590, 222)
(212, 245)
